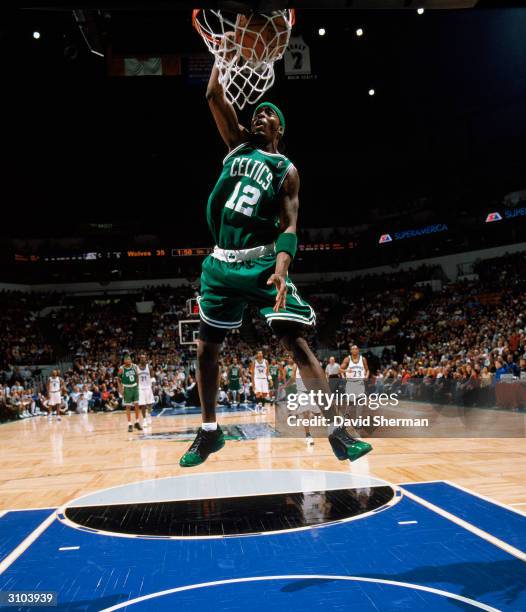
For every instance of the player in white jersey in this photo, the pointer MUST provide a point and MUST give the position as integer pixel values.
(311, 406)
(260, 376)
(355, 370)
(55, 385)
(146, 399)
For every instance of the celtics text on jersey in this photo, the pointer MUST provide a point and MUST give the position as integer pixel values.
(242, 209)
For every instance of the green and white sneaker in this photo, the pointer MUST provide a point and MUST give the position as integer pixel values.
(346, 447)
(205, 443)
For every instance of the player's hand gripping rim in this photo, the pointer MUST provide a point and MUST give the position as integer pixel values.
(281, 286)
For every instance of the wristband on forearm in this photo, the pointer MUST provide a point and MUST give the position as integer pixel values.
(287, 243)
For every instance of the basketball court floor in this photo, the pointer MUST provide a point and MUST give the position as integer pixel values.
(108, 520)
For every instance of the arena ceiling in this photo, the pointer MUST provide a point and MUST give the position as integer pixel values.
(262, 5)
(445, 130)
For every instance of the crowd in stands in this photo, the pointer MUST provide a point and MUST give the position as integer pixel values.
(21, 340)
(447, 346)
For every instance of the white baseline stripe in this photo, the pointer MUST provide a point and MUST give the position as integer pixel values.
(511, 550)
(408, 585)
(408, 522)
(25, 544)
(69, 548)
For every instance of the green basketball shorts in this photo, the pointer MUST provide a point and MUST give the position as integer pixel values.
(227, 288)
(131, 395)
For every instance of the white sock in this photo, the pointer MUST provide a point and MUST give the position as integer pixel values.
(209, 426)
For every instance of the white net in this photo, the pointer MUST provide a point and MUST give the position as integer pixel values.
(245, 48)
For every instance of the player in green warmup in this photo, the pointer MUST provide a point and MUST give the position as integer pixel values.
(273, 371)
(234, 380)
(128, 382)
(252, 214)
(289, 378)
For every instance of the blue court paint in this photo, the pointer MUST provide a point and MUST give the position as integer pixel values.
(16, 526)
(434, 552)
(185, 410)
(304, 594)
(508, 526)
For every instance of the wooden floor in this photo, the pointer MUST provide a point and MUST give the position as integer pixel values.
(45, 464)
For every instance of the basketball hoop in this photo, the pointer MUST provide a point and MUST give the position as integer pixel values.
(245, 48)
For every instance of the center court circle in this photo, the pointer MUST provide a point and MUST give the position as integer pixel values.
(250, 502)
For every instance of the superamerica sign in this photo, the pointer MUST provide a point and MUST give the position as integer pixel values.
(413, 233)
(509, 213)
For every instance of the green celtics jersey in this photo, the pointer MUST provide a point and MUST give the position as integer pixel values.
(273, 370)
(234, 374)
(128, 376)
(242, 209)
(288, 373)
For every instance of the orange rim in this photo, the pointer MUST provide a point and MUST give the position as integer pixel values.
(212, 39)
(197, 26)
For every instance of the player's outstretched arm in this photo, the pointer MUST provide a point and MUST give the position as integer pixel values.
(288, 214)
(224, 113)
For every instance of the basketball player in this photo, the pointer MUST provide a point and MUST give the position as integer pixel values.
(252, 214)
(274, 373)
(55, 386)
(260, 375)
(146, 400)
(127, 379)
(289, 379)
(355, 370)
(234, 380)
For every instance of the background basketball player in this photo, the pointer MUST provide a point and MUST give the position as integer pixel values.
(146, 399)
(355, 370)
(55, 387)
(274, 373)
(288, 375)
(235, 374)
(260, 377)
(127, 380)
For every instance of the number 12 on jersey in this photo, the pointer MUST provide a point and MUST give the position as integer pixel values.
(244, 203)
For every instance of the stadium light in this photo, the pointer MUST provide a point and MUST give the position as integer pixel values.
(322, 31)
(420, 11)
(36, 35)
(371, 92)
(359, 32)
